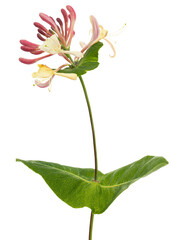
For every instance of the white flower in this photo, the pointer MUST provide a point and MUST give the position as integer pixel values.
(52, 45)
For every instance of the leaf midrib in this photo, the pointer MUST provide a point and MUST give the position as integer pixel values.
(76, 176)
(66, 172)
(90, 182)
(133, 180)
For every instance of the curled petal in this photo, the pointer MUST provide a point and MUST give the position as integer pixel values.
(111, 45)
(103, 33)
(45, 84)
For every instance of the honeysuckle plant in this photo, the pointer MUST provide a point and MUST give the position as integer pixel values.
(79, 187)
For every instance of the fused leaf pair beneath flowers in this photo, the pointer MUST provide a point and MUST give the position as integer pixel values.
(57, 40)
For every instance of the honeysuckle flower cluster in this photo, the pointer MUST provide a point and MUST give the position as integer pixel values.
(57, 40)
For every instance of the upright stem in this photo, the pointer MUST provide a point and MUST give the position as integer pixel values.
(92, 126)
(95, 150)
(91, 226)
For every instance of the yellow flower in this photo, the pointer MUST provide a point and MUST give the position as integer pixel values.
(45, 75)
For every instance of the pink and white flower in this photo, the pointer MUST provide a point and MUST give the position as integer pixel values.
(56, 40)
(98, 33)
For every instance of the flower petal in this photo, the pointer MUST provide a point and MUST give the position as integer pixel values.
(111, 45)
(43, 84)
(72, 76)
(95, 33)
(51, 45)
(103, 33)
(44, 72)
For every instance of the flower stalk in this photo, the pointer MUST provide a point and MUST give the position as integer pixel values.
(92, 127)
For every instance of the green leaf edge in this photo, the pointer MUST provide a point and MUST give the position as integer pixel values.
(87, 63)
(100, 186)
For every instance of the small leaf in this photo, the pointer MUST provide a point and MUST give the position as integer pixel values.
(87, 63)
(91, 54)
(76, 187)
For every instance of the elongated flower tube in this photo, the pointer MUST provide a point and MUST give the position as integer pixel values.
(56, 40)
(45, 75)
(98, 33)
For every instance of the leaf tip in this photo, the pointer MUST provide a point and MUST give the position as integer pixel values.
(18, 160)
(165, 161)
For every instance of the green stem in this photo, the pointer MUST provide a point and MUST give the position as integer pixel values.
(92, 126)
(91, 226)
(95, 150)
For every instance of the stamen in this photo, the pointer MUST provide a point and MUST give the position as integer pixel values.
(119, 31)
(111, 45)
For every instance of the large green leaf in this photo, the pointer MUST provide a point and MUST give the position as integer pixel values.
(76, 187)
(87, 63)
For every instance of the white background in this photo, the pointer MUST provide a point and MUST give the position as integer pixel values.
(130, 97)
